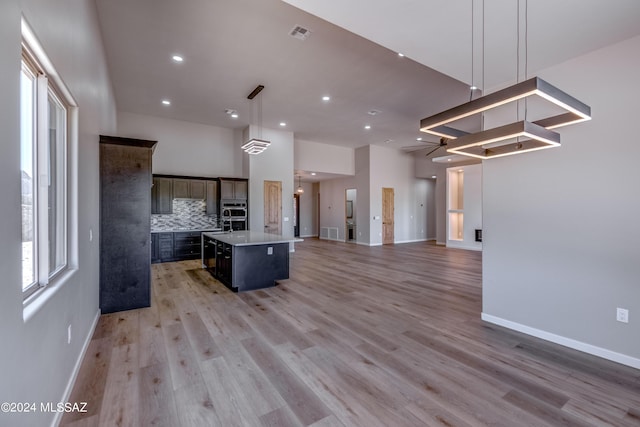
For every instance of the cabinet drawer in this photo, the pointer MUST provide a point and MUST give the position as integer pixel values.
(187, 252)
(186, 234)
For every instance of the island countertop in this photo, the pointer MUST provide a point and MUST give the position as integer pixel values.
(250, 238)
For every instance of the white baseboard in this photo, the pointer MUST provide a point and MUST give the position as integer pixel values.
(441, 243)
(567, 342)
(308, 235)
(410, 241)
(76, 369)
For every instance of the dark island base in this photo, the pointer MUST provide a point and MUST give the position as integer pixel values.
(245, 268)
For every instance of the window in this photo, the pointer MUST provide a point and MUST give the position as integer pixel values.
(43, 164)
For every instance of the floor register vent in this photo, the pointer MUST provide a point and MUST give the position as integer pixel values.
(329, 233)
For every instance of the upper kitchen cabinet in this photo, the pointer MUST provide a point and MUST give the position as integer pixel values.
(212, 197)
(233, 189)
(188, 189)
(162, 196)
(125, 223)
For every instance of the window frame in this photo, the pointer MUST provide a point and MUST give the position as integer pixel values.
(49, 88)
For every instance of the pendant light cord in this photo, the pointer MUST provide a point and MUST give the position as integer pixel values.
(472, 52)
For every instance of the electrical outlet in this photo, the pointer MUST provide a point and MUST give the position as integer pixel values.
(622, 315)
(69, 334)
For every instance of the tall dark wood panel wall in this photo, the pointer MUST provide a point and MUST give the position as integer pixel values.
(125, 223)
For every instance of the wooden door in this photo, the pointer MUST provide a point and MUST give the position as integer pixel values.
(273, 207)
(387, 216)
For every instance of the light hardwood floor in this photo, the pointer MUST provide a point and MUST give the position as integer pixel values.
(359, 336)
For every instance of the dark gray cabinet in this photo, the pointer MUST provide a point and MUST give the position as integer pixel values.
(125, 223)
(187, 245)
(212, 197)
(155, 250)
(165, 246)
(234, 189)
(188, 188)
(176, 246)
(162, 196)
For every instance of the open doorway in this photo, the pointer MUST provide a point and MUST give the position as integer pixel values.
(350, 216)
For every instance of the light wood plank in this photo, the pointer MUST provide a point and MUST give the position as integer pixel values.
(358, 336)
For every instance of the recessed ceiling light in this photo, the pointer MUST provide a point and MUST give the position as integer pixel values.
(373, 112)
(166, 102)
(313, 173)
(326, 98)
(401, 55)
(433, 176)
(388, 140)
(419, 138)
(234, 115)
(283, 124)
(367, 127)
(177, 58)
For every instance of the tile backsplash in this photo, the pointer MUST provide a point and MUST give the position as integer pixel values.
(187, 215)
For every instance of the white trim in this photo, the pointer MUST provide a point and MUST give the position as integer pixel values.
(308, 235)
(76, 369)
(409, 241)
(440, 243)
(567, 342)
(472, 247)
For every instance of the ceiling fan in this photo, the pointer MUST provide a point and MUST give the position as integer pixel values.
(438, 145)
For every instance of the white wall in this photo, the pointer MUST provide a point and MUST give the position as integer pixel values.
(37, 363)
(186, 148)
(561, 227)
(395, 169)
(273, 164)
(332, 203)
(313, 156)
(362, 185)
(309, 210)
(431, 208)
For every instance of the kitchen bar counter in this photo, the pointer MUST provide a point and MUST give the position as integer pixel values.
(246, 260)
(189, 230)
(252, 238)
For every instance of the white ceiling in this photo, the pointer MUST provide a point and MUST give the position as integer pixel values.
(232, 46)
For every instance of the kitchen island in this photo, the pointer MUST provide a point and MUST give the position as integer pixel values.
(246, 260)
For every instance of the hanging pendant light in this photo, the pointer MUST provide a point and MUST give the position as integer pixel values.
(300, 190)
(519, 137)
(256, 145)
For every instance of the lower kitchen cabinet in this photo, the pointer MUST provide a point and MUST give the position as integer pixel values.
(175, 246)
(187, 245)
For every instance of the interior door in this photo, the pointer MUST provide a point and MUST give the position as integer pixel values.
(387, 216)
(273, 207)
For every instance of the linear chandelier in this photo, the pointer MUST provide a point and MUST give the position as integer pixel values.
(256, 145)
(491, 143)
(576, 111)
(519, 137)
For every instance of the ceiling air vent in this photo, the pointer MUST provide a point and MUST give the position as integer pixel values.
(299, 32)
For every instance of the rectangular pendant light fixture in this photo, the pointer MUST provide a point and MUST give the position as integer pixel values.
(495, 142)
(255, 146)
(576, 110)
